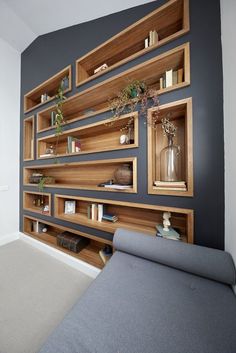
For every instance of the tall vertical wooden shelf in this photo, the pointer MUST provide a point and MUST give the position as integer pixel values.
(97, 137)
(28, 139)
(89, 254)
(32, 99)
(30, 202)
(94, 100)
(180, 112)
(134, 216)
(84, 175)
(170, 21)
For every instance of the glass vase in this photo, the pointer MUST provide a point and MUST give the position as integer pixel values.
(170, 162)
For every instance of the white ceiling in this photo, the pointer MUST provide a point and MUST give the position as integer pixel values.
(22, 21)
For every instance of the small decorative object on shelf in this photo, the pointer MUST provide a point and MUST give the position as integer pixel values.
(70, 207)
(44, 97)
(101, 68)
(49, 152)
(165, 230)
(124, 139)
(72, 242)
(124, 174)
(105, 253)
(45, 209)
(127, 101)
(170, 157)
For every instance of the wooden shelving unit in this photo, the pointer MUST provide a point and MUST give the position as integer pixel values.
(89, 254)
(83, 175)
(28, 139)
(94, 100)
(97, 137)
(134, 216)
(181, 113)
(32, 99)
(35, 201)
(170, 21)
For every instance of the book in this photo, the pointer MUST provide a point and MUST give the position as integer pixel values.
(170, 234)
(47, 155)
(171, 188)
(175, 77)
(161, 83)
(110, 217)
(170, 184)
(146, 43)
(100, 212)
(150, 38)
(118, 186)
(169, 78)
(155, 37)
(53, 118)
(180, 75)
(89, 211)
(101, 68)
(94, 212)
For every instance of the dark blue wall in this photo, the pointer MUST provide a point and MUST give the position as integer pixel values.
(52, 52)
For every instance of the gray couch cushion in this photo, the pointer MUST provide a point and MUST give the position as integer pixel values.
(139, 306)
(210, 263)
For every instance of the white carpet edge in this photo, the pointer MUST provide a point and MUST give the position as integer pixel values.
(79, 265)
(8, 238)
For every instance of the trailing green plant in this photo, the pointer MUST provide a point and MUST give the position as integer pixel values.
(43, 181)
(130, 97)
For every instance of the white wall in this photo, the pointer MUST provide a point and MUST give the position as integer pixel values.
(228, 25)
(9, 138)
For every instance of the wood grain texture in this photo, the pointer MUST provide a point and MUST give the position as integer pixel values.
(28, 198)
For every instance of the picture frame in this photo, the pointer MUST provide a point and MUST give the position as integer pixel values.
(70, 207)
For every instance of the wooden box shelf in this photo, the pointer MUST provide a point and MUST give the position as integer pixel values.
(89, 254)
(170, 21)
(94, 100)
(134, 216)
(28, 140)
(84, 175)
(32, 99)
(35, 202)
(180, 112)
(97, 137)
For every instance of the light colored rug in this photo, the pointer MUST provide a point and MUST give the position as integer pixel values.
(36, 291)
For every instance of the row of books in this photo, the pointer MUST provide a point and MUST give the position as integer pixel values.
(73, 145)
(171, 77)
(152, 39)
(97, 212)
(171, 185)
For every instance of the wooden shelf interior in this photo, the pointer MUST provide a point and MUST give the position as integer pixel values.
(142, 218)
(97, 137)
(29, 139)
(83, 175)
(89, 254)
(94, 100)
(35, 202)
(180, 113)
(170, 21)
(33, 98)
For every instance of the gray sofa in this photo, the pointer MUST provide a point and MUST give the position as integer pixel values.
(154, 296)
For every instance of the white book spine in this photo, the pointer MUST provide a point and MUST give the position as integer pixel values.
(73, 146)
(146, 43)
(93, 211)
(169, 78)
(100, 212)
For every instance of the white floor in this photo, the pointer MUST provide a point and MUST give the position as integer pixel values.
(36, 291)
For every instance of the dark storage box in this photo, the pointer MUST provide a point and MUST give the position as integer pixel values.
(72, 242)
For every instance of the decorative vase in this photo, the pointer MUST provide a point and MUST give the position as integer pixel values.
(124, 175)
(170, 159)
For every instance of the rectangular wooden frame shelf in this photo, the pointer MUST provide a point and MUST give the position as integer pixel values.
(32, 99)
(94, 100)
(83, 175)
(181, 113)
(89, 254)
(29, 198)
(97, 137)
(134, 216)
(170, 21)
(28, 139)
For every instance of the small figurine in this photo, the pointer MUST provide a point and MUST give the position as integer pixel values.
(166, 221)
(124, 139)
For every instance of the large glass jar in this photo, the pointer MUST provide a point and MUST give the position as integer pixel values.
(170, 160)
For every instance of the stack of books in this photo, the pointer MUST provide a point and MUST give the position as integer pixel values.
(73, 145)
(170, 234)
(152, 39)
(118, 186)
(171, 185)
(171, 77)
(110, 217)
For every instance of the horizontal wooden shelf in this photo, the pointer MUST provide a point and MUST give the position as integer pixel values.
(28, 139)
(35, 202)
(89, 254)
(170, 21)
(179, 112)
(98, 137)
(94, 100)
(134, 216)
(32, 99)
(83, 175)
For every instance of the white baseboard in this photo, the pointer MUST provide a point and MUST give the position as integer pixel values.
(5, 239)
(82, 266)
